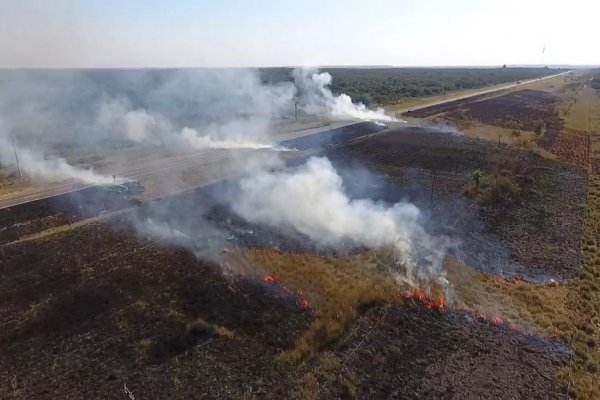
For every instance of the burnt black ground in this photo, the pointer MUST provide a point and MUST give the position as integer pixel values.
(88, 310)
(535, 237)
(415, 353)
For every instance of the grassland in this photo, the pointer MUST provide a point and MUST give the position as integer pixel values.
(567, 311)
(525, 140)
(168, 324)
(12, 184)
(406, 103)
(548, 84)
(335, 287)
(570, 310)
(583, 111)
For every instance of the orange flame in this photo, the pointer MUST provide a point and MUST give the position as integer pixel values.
(437, 303)
(496, 320)
(301, 300)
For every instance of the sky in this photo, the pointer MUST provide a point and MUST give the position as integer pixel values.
(203, 33)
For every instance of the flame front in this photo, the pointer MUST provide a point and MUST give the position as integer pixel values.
(433, 303)
(301, 300)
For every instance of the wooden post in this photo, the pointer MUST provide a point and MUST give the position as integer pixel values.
(432, 185)
(17, 159)
(296, 111)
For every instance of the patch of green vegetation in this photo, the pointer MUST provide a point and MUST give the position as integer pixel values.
(495, 189)
(391, 85)
(595, 83)
(582, 376)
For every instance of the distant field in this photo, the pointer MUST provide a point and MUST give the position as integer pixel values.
(394, 85)
(584, 113)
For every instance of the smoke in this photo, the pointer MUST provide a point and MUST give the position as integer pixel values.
(36, 166)
(46, 111)
(317, 98)
(440, 125)
(178, 110)
(312, 200)
(161, 231)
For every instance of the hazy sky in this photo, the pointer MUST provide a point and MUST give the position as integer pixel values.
(152, 33)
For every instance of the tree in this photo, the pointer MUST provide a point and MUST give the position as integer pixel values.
(477, 177)
(539, 127)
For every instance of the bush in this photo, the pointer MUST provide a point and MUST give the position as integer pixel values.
(494, 190)
(539, 127)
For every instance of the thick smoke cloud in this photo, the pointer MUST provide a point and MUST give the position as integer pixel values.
(45, 111)
(312, 200)
(37, 166)
(317, 98)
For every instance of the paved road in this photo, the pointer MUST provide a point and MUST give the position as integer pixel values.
(479, 92)
(155, 163)
(152, 163)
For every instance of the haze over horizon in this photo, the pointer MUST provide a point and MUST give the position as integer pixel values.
(233, 33)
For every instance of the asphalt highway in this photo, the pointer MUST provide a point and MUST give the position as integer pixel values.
(142, 167)
(137, 168)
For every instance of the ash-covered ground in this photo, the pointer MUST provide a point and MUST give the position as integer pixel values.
(89, 310)
(105, 309)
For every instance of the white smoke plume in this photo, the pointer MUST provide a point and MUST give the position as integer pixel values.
(140, 126)
(311, 200)
(37, 166)
(317, 98)
(44, 111)
(202, 109)
(160, 231)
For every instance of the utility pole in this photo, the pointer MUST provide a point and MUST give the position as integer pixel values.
(432, 186)
(296, 111)
(543, 51)
(17, 159)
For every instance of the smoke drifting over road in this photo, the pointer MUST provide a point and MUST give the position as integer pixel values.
(36, 166)
(202, 109)
(177, 109)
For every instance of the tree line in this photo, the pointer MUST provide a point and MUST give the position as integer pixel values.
(391, 85)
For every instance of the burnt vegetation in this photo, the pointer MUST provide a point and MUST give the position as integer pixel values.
(529, 208)
(97, 306)
(106, 307)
